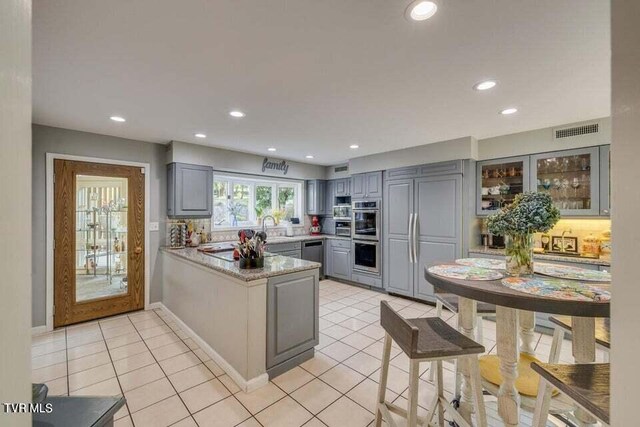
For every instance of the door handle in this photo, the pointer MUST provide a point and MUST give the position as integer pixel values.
(138, 250)
(415, 238)
(410, 240)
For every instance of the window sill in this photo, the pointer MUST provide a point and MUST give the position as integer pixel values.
(243, 227)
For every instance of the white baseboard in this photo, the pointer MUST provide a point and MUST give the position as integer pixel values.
(246, 385)
(37, 330)
(154, 305)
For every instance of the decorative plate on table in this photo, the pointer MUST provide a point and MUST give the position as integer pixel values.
(465, 272)
(558, 289)
(570, 272)
(491, 264)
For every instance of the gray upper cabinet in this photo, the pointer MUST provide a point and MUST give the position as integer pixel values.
(315, 195)
(499, 181)
(189, 191)
(571, 177)
(366, 185)
(329, 197)
(605, 180)
(342, 187)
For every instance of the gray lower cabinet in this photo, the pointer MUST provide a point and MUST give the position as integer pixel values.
(338, 259)
(366, 185)
(292, 319)
(315, 197)
(290, 249)
(189, 191)
(422, 226)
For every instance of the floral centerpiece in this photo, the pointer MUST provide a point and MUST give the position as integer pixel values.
(529, 213)
(250, 248)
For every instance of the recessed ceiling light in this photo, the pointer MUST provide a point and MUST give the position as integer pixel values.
(508, 111)
(485, 85)
(271, 149)
(309, 156)
(200, 135)
(236, 113)
(420, 10)
(354, 146)
(117, 119)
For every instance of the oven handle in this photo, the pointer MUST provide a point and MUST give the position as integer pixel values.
(411, 259)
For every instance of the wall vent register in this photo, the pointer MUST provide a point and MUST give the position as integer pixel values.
(576, 131)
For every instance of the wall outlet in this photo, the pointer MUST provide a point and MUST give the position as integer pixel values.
(154, 226)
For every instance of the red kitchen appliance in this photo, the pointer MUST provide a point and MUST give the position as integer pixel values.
(315, 226)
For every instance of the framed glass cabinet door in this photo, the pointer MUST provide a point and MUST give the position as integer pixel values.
(571, 177)
(499, 181)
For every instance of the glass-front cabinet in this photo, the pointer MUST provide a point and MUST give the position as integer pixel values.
(571, 177)
(499, 181)
(605, 180)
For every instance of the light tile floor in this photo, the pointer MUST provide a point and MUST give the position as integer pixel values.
(168, 380)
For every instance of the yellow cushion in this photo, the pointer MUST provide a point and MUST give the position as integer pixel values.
(527, 381)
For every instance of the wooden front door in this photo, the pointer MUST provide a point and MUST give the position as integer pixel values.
(98, 240)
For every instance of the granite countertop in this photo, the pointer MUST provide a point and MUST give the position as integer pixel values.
(273, 265)
(548, 257)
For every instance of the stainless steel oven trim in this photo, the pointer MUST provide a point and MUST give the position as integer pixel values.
(355, 235)
(361, 268)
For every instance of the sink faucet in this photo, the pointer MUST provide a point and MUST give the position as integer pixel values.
(264, 222)
(568, 230)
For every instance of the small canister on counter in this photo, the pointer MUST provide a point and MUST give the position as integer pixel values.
(591, 246)
(605, 245)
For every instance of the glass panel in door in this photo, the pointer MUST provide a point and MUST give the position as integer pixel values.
(571, 178)
(101, 237)
(500, 181)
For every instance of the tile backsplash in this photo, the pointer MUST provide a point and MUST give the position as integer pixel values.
(232, 234)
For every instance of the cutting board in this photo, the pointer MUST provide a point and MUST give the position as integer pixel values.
(216, 247)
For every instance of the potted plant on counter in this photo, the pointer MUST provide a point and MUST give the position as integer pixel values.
(528, 214)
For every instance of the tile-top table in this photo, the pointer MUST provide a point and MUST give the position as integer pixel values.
(515, 316)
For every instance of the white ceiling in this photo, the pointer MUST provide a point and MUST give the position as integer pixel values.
(316, 76)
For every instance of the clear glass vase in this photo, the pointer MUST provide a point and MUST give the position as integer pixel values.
(519, 253)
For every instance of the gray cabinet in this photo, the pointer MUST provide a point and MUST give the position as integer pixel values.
(366, 185)
(398, 271)
(338, 259)
(499, 181)
(329, 197)
(571, 177)
(422, 225)
(292, 318)
(605, 180)
(189, 191)
(315, 195)
(342, 187)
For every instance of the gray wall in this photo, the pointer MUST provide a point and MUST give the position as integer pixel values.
(63, 141)
(455, 149)
(540, 141)
(625, 175)
(15, 191)
(235, 161)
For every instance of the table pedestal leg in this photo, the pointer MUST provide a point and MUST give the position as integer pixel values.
(508, 352)
(527, 325)
(466, 323)
(584, 351)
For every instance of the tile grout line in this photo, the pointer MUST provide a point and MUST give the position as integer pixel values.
(116, 372)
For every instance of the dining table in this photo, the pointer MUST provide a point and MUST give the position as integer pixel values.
(515, 323)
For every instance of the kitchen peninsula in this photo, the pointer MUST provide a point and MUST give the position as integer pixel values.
(256, 323)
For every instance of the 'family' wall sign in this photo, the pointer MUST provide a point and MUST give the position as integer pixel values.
(275, 165)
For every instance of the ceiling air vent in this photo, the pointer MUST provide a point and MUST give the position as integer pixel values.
(343, 168)
(576, 131)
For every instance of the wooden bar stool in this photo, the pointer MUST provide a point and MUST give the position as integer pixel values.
(563, 323)
(425, 340)
(585, 384)
(450, 302)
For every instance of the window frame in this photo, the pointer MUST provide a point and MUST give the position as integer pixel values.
(254, 182)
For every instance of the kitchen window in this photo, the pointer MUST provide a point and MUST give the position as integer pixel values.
(241, 201)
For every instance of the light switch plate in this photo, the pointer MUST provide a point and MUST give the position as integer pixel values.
(154, 226)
